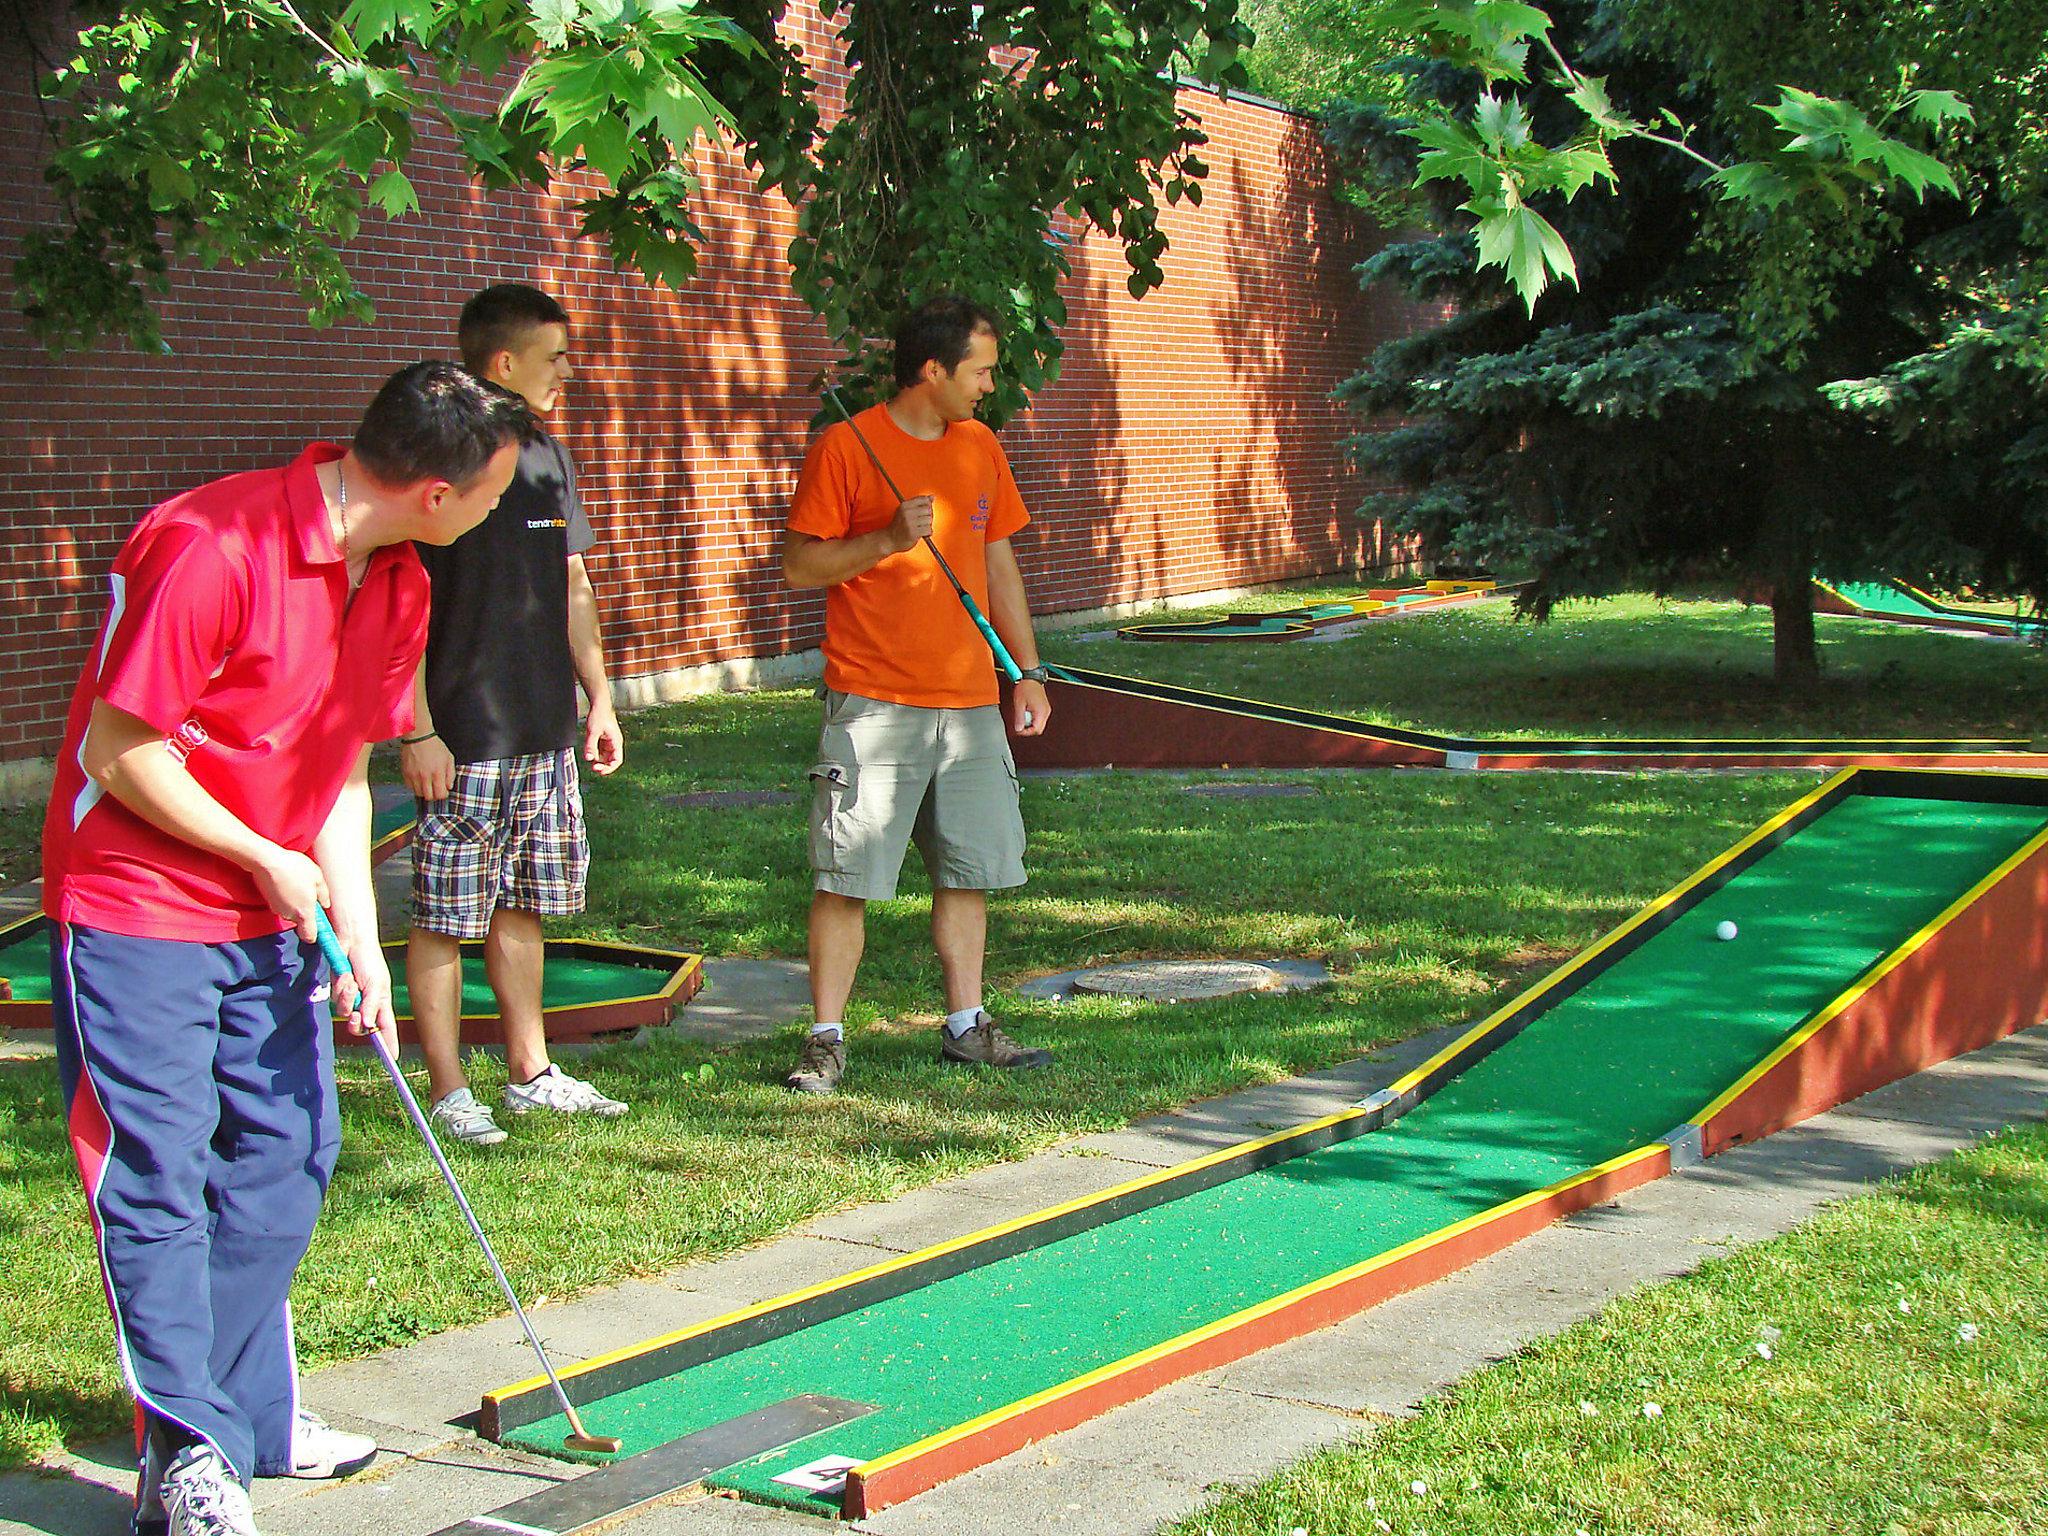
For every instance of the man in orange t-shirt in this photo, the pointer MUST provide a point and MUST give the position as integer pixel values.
(913, 746)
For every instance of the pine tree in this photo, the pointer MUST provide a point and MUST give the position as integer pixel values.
(1734, 390)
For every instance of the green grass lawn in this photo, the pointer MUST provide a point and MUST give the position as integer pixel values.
(1904, 1393)
(1627, 666)
(1432, 893)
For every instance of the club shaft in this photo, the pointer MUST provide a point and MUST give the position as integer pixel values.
(338, 962)
(988, 631)
(419, 1121)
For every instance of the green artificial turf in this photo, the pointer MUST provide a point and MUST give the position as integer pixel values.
(1614, 1065)
(570, 981)
(387, 819)
(1883, 597)
(1880, 1371)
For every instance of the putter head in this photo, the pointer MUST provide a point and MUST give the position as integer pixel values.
(601, 1445)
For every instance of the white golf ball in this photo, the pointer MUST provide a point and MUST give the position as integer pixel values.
(1724, 929)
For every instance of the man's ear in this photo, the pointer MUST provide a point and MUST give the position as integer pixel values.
(432, 494)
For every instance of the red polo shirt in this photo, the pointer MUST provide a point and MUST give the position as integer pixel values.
(230, 630)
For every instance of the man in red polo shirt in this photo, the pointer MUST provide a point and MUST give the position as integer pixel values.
(212, 793)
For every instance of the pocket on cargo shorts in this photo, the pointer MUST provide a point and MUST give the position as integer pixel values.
(831, 817)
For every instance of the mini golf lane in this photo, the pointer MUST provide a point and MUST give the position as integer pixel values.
(1897, 602)
(1293, 623)
(1567, 1096)
(590, 988)
(1100, 720)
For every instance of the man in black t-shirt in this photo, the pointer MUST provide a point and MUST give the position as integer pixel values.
(500, 843)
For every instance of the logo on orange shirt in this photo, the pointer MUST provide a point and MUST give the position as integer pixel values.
(981, 515)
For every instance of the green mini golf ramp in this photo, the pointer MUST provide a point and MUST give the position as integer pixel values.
(1574, 1091)
(588, 988)
(1900, 602)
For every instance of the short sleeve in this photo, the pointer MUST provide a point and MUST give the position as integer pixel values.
(178, 608)
(1007, 515)
(409, 643)
(582, 538)
(822, 507)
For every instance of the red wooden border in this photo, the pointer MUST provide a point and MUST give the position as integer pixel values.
(1978, 979)
(866, 1496)
(1101, 727)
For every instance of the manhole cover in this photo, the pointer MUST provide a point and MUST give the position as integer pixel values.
(1177, 981)
(1251, 791)
(731, 797)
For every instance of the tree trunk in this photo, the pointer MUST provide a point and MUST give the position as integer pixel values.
(1795, 659)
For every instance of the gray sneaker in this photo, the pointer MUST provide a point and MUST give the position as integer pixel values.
(461, 1117)
(203, 1497)
(821, 1065)
(987, 1046)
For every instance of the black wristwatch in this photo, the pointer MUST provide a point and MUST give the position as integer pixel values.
(1037, 674)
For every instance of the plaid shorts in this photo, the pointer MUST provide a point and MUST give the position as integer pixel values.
(510, 834)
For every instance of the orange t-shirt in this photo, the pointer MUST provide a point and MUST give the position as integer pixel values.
(897, 631)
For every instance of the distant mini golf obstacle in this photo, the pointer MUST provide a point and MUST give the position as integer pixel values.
(1293, 623)
(1889, 921)
(1899, 602)
(1101, 720)
(592, 988)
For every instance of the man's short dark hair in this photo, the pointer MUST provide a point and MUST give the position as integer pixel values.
(498, 318)
(434, 421)
(939, 330)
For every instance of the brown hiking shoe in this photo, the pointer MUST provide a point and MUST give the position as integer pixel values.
(987, 1046)
(821, 1065)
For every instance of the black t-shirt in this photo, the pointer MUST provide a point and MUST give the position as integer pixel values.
(500, 678)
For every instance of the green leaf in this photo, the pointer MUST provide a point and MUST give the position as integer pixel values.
(394, 194)
(1918, 171)
(1590, 96)
(1757, 183)
(1937, 107)
(1573, 169)
(1503, 122)
(1526, 245)
(607, 148)
(169, 182)
(554, 20)
(1452, 152)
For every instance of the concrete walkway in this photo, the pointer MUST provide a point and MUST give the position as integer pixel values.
(1153, 1460)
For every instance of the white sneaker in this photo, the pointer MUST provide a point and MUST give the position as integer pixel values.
(461, 1117)
(321, 1450)
(556, 1090)
(203, 1497)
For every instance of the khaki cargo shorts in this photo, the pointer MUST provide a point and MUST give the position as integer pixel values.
(890, 774)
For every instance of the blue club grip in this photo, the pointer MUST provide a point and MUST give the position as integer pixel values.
(330, 944)
(988, 632)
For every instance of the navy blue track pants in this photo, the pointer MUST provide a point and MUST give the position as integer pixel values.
(199, 1084)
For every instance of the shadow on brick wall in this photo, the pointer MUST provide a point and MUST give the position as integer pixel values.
(1276, 501)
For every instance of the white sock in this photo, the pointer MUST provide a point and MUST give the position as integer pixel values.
(957, 1024)
(834, 1030)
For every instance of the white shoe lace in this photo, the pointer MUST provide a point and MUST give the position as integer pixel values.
(556, 1089)
(207, 1501)
(463, 1115)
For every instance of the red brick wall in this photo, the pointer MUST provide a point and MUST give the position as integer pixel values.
(1189, 444)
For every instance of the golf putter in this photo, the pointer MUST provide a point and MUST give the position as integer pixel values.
(579, 1438)
(988, 631)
